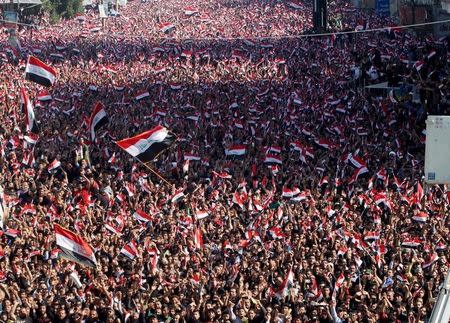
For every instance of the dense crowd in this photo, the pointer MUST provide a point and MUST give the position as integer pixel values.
(337, 229)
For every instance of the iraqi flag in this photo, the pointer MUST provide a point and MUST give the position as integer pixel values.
(130, 250)
(285, 285)
(73, 247)
(357, 161)
(54, 165)
(223, 175)
(324, 143)
(28, 109)
(44, 96)
(235, 150)
(372, 235)
(142, 95)
(39, 72)
(420, 217)
(141, 216)
(177, 196)
(166, 27)
(198, 239)
(272, 160)
(238, 200)
(288, 193)
(97, 120)
(431, 260)
(201, 214)
(189, 11)
(411, 242)
(31, 138)
(357, 173)
(191, 157)
(148, 145)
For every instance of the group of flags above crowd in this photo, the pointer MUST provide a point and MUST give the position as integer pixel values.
(147, 145)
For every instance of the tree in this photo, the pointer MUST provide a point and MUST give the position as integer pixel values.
(63, 8)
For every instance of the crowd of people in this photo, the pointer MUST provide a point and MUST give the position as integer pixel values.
(321, 217)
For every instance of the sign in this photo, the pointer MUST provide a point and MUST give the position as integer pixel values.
(102, 11)
(383, 8)
(437, 153)
(442, 29)
(11, 19)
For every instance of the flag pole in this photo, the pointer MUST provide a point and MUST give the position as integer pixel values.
(151, 169)
(155, 172)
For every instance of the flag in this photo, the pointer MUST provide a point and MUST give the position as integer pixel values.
(372, 235)
(339, 281)
(12, 233)
(356, 161)
(188, 156)
(141, 216)
(28, 109)
(147, 145)
(272, 159)
(223, 175)
(166, 27)
(358, 173)
(2, 208)
(285, 285)
(295, 4)
(198, 239)
(290, 193)
(235, 150)
(420, 217)
(98, 119)
(55, 164)
(431, 260)
(39, 72)
(189, 11)
(177, 196)
(44, 96)
(186, 166)
(201, 215)
(431, 54)
(31, 138)
(411, 242)
(276, 233)
(324, 143)
(418, 65)
(130, 250)
(73, 247)
(419, 193)
(142, 95)
(382, 174)
(238, 200)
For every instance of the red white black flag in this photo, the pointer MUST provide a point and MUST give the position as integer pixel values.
(27, 108)
(147, 145)
(98, 119)
(39, 72)
(73, 247)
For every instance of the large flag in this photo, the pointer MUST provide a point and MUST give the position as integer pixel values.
(147, 145)
(27, 108)
(98, 119)
(39, 72)
(73, 247)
